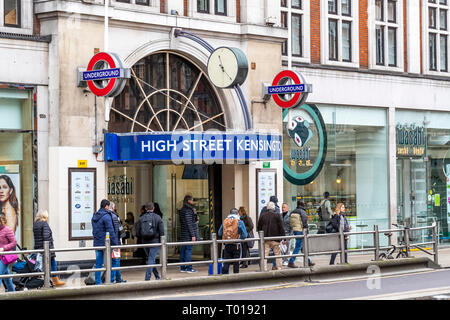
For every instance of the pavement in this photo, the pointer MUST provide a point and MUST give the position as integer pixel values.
(135, 278)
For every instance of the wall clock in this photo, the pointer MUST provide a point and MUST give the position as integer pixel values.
(227, 67)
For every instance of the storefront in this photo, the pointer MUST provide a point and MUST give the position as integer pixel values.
(345, 154)
(17, 161)
(423, 159)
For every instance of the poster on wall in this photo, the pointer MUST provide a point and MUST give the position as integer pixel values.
(266, 186)
(10, 201)
(82, 200)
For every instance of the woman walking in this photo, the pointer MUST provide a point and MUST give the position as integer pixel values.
(7, 243)
(338, 220)
(42, 232)
(249, 228)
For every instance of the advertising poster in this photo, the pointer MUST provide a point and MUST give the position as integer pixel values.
(266, 186)
(10, 201)
(82, 203)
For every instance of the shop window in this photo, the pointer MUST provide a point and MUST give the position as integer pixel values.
(11, 11)
(354, 171)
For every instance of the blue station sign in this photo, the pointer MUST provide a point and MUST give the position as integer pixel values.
(287, 89)
(187, 146)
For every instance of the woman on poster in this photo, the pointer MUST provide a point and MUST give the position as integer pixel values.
(9, 204)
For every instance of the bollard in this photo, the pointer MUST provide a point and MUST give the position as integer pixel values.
(261, 251)
(163, 258)
(435, 243)
(305, 248)
(341, 237)
(214, 253)
(376, 242)
(46, 264)
(108, 262)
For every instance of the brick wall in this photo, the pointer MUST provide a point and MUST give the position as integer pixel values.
(162, 7)
(363, 34)
(315, 31)
(185, 8)
(238, 11)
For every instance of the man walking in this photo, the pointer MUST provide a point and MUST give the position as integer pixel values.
(298, 221)
(285, 214)
(271, 223)
(273, 199)
(150, 228)
(102, 224)
(189, 232)
(232, 228)
(115, 262)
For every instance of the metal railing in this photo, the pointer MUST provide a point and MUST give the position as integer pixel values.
(308, 240)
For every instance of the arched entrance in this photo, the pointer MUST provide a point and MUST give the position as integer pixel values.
(167, 92)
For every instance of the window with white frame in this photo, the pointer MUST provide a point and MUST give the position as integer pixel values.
(386, 32)
(217, 10)
(437, 34)
(220, 7)
(11, 13)
(299, 28)
(16, 16)
(340, 32)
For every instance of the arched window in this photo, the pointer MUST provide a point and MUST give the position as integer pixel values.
(166, 92)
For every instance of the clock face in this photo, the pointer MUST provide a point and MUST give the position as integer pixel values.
(227, 67)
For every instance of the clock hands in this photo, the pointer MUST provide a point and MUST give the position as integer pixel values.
(223, 69)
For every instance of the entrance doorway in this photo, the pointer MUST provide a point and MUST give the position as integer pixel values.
(412, 195)
(132, 184)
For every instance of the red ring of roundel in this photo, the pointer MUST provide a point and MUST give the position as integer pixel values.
(106, 90)
(297, 96)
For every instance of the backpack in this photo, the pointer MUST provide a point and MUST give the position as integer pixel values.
(230, 229)
(319, 213)
(324, 214)
(148, 228)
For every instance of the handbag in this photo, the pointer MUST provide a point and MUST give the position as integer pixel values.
(329, 228)
(9, 258)
(115, 254)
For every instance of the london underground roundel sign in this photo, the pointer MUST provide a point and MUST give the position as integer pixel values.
(289, 89)
(106, 75)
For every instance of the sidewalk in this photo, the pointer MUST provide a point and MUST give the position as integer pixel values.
(174, 272)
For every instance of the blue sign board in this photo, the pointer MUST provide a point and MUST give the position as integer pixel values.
(186, 146)
(287, 89)
(101, 74)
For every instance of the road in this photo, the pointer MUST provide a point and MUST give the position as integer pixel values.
(406, 286)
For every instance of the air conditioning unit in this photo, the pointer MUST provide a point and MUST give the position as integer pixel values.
(271, 12)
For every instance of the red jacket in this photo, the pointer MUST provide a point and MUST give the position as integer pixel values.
(7, 239)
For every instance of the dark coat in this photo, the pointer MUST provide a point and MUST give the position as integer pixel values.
(336, 222)
(42, 232)
(271, 223)
(188, 223)
(102, 222)
(159, 227)
(248, 223)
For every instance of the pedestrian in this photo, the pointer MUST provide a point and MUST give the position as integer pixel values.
(271, 223)
(189, 232)
(7, 243)
(232, 228)
(41, 233)
(102, 224)
(140, 252)
(273, 199)
(158, 210)
(298, 222)
(325, 207)
(150, 228)
(338, 220)
(249, 228)
(285, 214)
(129, 225)
(115, 262)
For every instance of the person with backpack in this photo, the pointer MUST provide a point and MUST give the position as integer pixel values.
(189, 231)
(7, 243)
(102, 223)
(232, 228)
(42, 232)
(271, 223)
(298, 222)
(150, 228)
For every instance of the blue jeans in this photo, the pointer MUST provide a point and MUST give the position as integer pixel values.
(53, 264)
(152, 253)
(115, 274)
(4, 269)
(185, 256)
(298, 246)
(98, 264)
